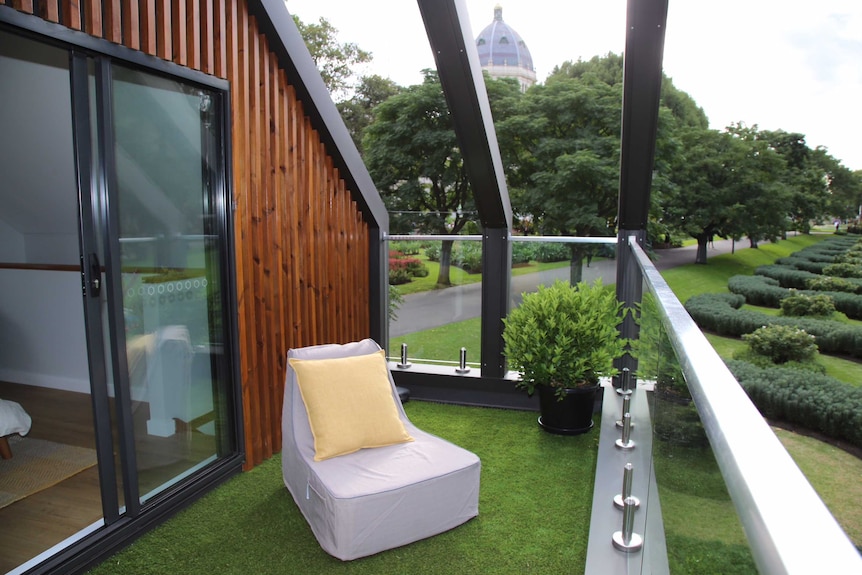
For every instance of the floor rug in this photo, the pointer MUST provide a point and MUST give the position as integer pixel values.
(37, 464)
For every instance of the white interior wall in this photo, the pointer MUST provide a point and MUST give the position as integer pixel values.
(54, 249)
(41, 312)
(42, 329)
(12, 245)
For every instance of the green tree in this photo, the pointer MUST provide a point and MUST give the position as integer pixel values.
(677, 110)
(567, 135)
(844, 187)
(607, 69)
(358, 111)
(698, 202)
(412, 155)
(727, 184)
(682, 106)
(334, 59)
(803, 178)
(763, 196)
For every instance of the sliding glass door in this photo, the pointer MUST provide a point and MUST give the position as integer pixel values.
(164, 193)
(113, 194)
(49, 478)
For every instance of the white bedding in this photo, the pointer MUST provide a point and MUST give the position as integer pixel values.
(13, 419)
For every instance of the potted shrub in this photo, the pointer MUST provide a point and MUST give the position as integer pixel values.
(562, 339)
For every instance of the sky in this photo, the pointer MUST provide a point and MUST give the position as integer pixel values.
(794, 65)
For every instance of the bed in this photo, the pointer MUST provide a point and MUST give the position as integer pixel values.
(13, 419)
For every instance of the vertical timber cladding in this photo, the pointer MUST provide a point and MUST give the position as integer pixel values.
(301, 242)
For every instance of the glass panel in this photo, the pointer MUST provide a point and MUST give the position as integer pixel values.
(700, 520)
(171, 259)
(435, 308)
(544, 262)
(49, 488)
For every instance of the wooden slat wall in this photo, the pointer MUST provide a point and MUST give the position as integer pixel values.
(301, 242)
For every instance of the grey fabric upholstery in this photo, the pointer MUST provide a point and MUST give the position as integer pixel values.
(374, 499)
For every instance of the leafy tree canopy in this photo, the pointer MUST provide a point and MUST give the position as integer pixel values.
(609, 69)
(358, 111)
(728, 184)
(334, 60)
(412, 155)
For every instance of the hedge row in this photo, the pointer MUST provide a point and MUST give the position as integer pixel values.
(766, 291)
(814, 401)
(814, 266)
(829, 283)
(787, 277)
(720, 313)
(758, 290)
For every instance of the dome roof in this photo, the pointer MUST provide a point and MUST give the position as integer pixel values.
(499, 45)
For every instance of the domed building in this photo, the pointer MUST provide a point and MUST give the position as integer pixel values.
(503, 53)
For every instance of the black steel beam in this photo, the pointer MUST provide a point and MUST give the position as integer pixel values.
(645, 25)
(646, 21)
(496, 263)
(454, 49)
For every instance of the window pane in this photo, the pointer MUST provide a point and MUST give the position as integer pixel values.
(171, 257)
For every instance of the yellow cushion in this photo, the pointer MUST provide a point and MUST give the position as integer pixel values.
(349, 403)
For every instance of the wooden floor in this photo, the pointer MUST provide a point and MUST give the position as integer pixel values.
(30, 526)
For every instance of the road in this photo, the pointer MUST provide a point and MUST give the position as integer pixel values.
(434, 308)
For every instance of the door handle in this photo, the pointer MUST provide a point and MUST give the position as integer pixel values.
(95, 276)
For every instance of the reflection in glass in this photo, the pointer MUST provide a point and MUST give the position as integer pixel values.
(172, 292)
(435, 319)
(700, 520)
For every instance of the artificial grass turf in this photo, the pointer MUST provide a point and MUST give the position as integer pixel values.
(534, 513)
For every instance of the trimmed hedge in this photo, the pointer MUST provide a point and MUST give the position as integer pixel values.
(814, 401)
(765, 291)
(720, 313)
(758, 290)
(829, 283)
(843, 270)
(805, 264)
(786, 276)
(803, 304)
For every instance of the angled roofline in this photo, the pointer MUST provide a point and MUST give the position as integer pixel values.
(454, 47)
(302, 73)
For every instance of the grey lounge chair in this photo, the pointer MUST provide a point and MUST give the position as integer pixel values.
(380, 498)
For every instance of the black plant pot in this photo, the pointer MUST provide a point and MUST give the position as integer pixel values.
(572, 415)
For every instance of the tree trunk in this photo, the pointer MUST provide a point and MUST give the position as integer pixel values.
(752, 242)
(576, 271)
(702, 241)
(443, 279)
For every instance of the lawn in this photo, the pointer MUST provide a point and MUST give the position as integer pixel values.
(692, 279)
(534, 509)
(442, 343)
(458, 277)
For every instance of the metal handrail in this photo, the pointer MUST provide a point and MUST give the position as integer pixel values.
(789, 529)
(431, 237)
(543, 239)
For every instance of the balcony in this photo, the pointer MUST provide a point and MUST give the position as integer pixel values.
(716, 489)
